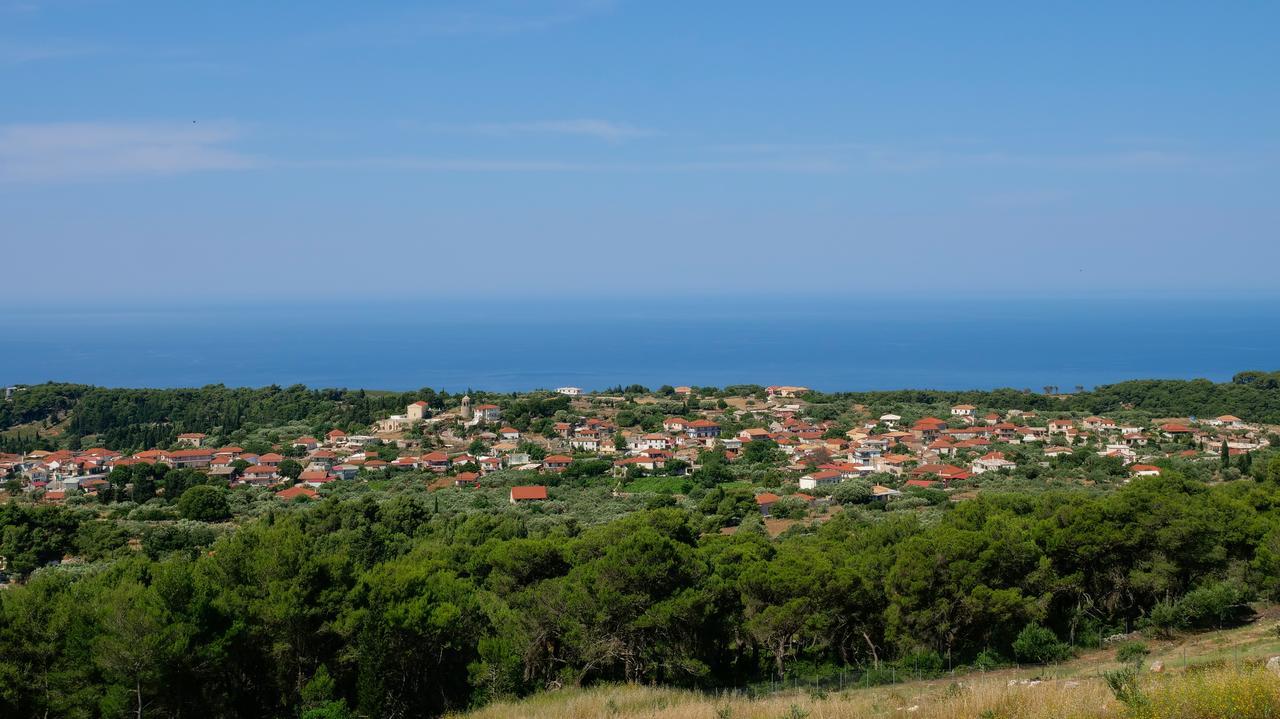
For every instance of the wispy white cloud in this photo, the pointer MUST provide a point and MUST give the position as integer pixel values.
(70, 151)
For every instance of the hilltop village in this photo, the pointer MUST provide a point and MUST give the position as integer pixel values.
(669, 442)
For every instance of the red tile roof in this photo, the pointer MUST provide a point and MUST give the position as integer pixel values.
(297, 491)
(528, 492)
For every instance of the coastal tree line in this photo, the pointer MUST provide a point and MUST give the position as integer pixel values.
(139, 418)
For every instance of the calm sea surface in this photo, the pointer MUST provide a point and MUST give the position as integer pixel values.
(948, 343)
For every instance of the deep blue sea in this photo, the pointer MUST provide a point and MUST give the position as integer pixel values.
(947, 342)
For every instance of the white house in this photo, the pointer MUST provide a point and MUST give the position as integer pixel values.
(991, 462)
(589, 444)
(570, 391)
(816, 479)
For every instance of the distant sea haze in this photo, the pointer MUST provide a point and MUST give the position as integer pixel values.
(830, 345)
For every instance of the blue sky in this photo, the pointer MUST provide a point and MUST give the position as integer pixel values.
(397, 150)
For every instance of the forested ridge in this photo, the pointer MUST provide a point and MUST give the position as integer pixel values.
(393, 608)
(140, 418)
(1252, 396)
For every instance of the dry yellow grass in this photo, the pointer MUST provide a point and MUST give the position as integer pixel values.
(1234, 692)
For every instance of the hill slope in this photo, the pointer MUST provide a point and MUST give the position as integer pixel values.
(1210, 674)
(1238, 690)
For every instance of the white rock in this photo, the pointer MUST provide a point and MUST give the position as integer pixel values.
(1273, 664)
(1157, 666)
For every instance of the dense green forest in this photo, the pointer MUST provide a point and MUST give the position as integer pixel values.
(394, 608)
(139, 418)
(1252, 396)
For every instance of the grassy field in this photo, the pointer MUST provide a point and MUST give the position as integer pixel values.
(1218, 675)
(1226, 691)
(1229, 691)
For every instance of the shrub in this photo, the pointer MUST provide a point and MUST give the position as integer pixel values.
(1132, 652)
(204, 503)
(1164, 617)
(896, 505)
(1212, 604)
(1039, 645)
(150, 513)
(182, 536)
(988, 660)
(921, 663)
(852, 492)
(789, 508)
(1123, 684)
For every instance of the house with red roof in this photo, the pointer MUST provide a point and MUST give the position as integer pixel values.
(654, 440)
(928, 428)
(194, 458)
(315, 479)
(587, 441)
(991, 462)
(527, 493)
(765, 501)
(436, 461)
(821, 478)
(556, 462)
(645, 462)
(152, 455)
(259, 475)
(675, 424)
(1173, 429)
(298, 491)
(703, 429)
(946, 472)
(407, 462)
(1060, 426)
(271, 459)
